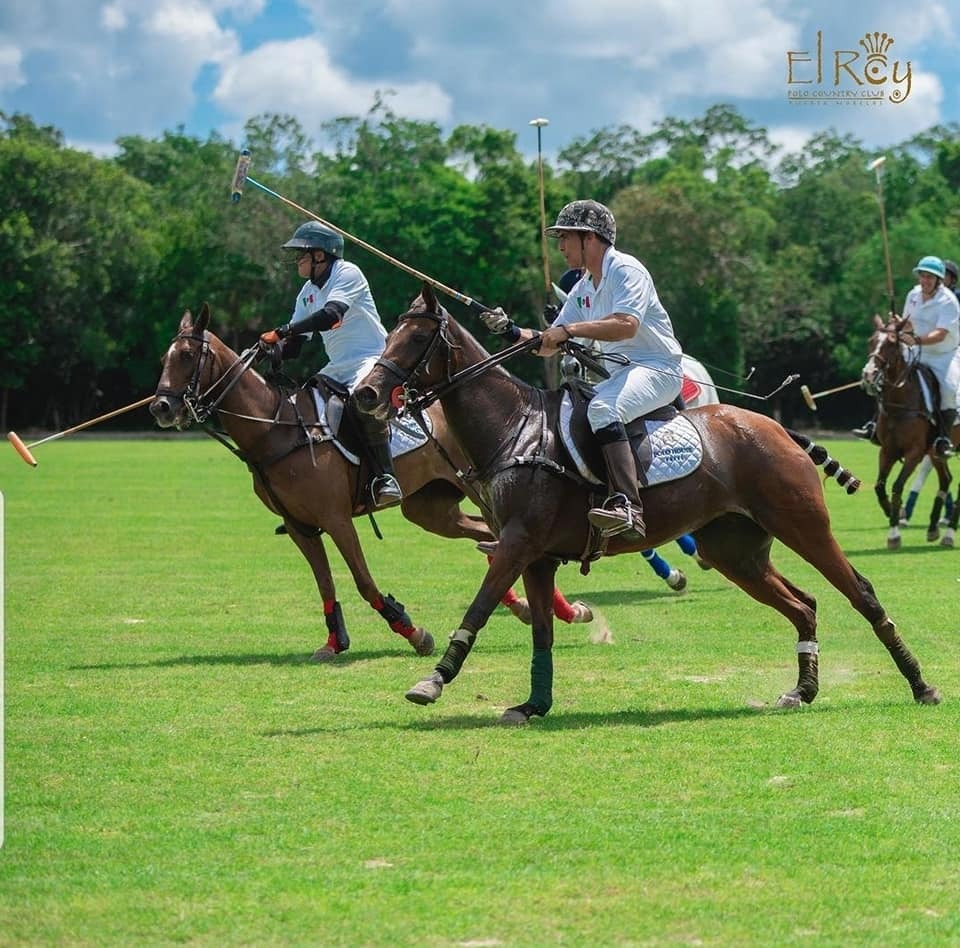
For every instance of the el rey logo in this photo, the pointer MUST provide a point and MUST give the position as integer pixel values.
(853, 76)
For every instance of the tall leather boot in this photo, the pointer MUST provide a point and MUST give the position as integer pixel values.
(384, 488)
(622, 511)
(943, 443)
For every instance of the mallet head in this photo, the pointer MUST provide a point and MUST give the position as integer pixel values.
(240, 175)
(808, 398)
(21, 448)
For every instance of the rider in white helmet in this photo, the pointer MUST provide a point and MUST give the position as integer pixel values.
(615, 305)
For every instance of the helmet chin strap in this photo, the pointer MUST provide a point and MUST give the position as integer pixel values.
(318, 279)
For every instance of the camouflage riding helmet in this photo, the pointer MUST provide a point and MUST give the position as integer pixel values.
(315, 236)
(590, 216)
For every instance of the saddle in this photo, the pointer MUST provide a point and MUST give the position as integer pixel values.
(335, 418)
(666, 446)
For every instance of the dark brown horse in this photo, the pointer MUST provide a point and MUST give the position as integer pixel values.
(905, 425)
(307, 480)
(756, 482)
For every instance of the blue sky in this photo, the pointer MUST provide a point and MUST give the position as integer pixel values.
(101, 70)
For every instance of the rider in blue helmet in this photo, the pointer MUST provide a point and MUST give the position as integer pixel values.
(336, 302)
(932, 313)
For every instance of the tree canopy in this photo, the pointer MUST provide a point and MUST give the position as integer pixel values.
(777, 264)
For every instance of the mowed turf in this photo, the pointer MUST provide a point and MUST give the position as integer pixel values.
(178, 771)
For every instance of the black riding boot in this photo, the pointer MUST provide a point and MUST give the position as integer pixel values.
(622, 511)
(384, 488)
(868, 430)
(943, 443)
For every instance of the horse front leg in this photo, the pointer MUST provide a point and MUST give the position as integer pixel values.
(314, 553)
(506, 565)
(344, 535)
(538, 581)
(943, 472)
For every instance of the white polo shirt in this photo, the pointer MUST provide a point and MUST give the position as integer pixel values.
(357, 341)
(941, 311)
(625, 287)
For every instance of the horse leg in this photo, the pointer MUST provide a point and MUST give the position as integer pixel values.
(343, 534)
(807, 532)
(949, 537)
(504, 569)
(943, 483)
(538, 581)
(436, 508)
(313, 551)
(740, 550)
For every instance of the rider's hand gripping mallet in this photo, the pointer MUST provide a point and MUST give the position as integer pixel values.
(811, 399)
(24, 449)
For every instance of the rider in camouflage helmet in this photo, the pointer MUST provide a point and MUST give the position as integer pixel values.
(587, 216)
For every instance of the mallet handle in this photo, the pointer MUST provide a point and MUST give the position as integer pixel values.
(839, 388)
(94, 421)
(473, 304)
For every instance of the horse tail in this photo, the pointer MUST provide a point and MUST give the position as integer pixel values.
(831, 466)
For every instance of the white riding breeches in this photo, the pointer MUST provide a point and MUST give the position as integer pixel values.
(633, 391)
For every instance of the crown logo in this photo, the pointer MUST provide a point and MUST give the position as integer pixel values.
(876, 44)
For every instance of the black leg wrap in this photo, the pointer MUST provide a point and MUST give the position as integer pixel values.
(337, 627)
(456, 654)
(394, 611)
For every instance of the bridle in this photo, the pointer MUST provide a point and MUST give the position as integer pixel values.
(875, 381)
(201, 404)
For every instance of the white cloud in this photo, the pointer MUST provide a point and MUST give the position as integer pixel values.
(11, 72)
(298, 78)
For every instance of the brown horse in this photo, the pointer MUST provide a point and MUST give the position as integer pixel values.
(905, 426)
(756, 482)
(307, 480)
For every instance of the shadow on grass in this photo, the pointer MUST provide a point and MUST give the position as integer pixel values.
(565, 721)
(927, 549)
(620, 597)
(294, 658)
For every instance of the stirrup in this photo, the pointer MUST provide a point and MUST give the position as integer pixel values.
(942, 447)
(616, 516)
(385, 491)
(866, 431)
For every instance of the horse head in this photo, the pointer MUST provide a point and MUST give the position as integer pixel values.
(888, 364)
(420, 354)
(197, 373)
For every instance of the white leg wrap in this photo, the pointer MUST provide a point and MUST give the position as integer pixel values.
(808, 648)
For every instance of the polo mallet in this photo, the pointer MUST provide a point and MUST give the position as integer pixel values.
(811, 399)
(552, 368)
(875, 166)
(241, 177)
(24, 449)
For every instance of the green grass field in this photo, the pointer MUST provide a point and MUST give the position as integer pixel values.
(177, 771)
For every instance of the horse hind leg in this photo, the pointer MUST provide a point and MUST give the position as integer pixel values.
(740, 550)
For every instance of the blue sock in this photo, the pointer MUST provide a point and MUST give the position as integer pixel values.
(657, 563)
(687, 544)
(910, 504)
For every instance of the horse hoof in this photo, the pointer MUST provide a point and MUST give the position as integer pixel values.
(581, 612)
(893, 543)
(426, 691)
(422, 641)
(324, 654)
(933, 535)
(514, 717)
(702, 563)
(947, 541)
(789, 700)
(521, 609)
(929, 695)
(677, 580)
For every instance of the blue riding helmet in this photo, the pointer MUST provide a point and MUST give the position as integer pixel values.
(932, 265)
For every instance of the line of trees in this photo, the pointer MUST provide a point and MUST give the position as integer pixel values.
(777, 265)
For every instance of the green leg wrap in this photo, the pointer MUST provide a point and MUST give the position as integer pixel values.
(541, 679)
(456, 654)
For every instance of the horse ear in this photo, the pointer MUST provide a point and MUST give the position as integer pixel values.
(186, 321)
(877, 321)
(429, 298)
(203, 320)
